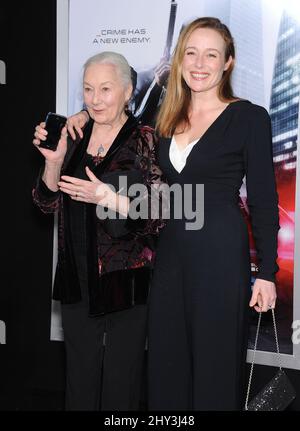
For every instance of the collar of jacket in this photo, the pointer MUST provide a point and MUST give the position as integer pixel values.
(78, 147)
(69, 284)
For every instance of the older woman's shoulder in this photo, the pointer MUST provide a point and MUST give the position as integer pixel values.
(145, 134)
(145, 129)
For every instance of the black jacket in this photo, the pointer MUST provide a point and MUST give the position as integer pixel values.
(115, 248)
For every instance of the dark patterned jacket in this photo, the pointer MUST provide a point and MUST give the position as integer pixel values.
(120, 252)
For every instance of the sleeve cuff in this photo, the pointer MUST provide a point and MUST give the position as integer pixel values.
(45, 192)
(266, 276)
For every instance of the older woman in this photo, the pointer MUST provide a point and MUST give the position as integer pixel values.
(103, 263)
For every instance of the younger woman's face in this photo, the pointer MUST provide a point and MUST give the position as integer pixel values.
(204, 60)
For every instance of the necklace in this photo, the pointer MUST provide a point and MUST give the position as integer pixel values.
(101, 149)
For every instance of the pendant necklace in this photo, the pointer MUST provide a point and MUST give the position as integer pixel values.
(101, 150)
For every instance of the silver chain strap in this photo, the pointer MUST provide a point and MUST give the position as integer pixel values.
(254, 352)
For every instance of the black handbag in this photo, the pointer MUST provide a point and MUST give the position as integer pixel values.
(279, 392)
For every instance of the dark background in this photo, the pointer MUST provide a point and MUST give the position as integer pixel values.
(32, 366)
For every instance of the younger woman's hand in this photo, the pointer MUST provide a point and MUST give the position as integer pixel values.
(263, 295)
(77, 122)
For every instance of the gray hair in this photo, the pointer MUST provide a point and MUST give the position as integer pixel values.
(117, 60)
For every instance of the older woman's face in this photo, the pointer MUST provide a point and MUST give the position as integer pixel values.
(204, 60)
(104, 93)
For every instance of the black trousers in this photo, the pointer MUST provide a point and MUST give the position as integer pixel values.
(98, 376)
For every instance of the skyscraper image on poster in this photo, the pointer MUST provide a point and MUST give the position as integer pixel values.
(267, 72)
(284, 112)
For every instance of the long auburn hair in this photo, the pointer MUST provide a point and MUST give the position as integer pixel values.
(174, 110)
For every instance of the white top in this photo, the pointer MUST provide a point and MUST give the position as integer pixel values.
(178, 157)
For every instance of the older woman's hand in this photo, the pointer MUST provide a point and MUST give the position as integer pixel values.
(77, 122)
(94, 192)
(263, 295)
(57, 156)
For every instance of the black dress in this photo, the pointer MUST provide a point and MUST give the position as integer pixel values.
(199, 298)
